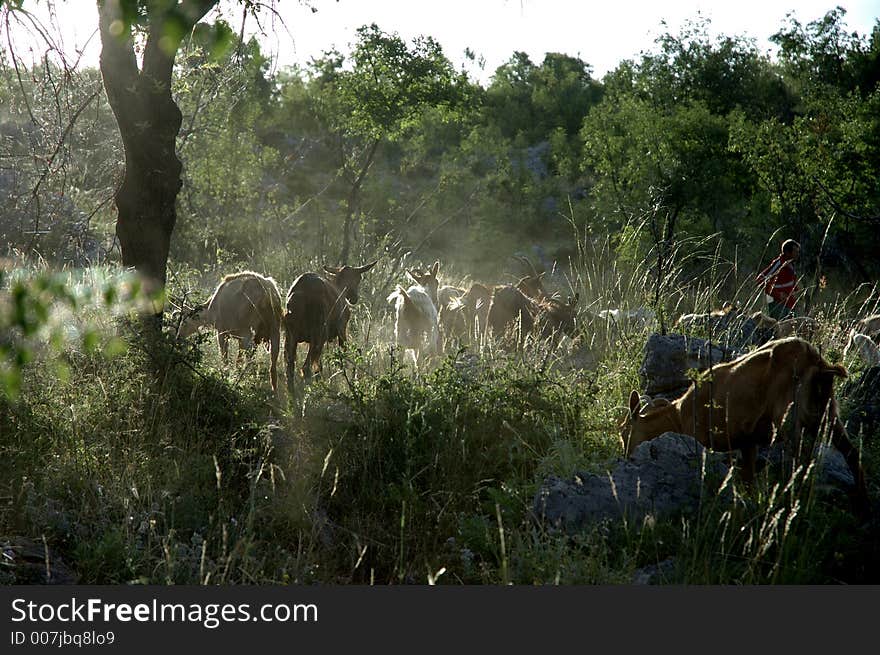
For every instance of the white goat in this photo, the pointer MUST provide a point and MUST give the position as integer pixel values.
(246, 306)
(869, 326)
(415, 319)
(868, 351)
(639, 318)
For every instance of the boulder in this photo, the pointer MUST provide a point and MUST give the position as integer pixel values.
(28, 561)
(668, 358)
(832, 471)
(659, 573)
(665, 477)
(860, 404)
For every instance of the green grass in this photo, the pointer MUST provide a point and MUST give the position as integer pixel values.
(159, 465)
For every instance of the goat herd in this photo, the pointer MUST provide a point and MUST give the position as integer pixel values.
(247, 306)
(784, 387)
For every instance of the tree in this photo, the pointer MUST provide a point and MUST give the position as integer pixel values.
(721, 72)
(535, 101)
(822, 55)
(387, 87)
(148, 119)
(231, 176)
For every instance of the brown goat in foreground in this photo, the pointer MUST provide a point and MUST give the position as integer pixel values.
(318, 310)
(247, 307)
(748, 400)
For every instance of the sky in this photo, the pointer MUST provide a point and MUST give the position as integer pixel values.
(600, 33)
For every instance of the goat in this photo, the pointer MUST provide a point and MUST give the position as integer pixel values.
(805, 327)
(532, 283)
(868, 351)
(466, 313)
(318, 310)
(245, 306)
(640, 317)
(706, 320)
(510, 309)
(764, 321)
(446, 294)
(557, 317)
(427, 279)
(869, 326)
(415, 319)
(747, 400)
(797, 326)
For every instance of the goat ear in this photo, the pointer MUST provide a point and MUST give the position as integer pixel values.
(366, 267)
(435, 268)
(574, 299)
(635, 403)
(837, 370)
(333, 270)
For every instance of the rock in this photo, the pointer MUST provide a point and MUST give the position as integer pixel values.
(663, 478)
(655, 573)
(668, 358)
(733, 330)
(575, 354)
(27, 561)
(832, 471)
(860, 403)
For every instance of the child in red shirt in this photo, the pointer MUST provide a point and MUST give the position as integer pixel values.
(780, 281)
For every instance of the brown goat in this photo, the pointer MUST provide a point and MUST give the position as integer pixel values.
(464, 313)
(247, 307)
(318, 310)
(532, 284)
(511, 309)
(747, 400)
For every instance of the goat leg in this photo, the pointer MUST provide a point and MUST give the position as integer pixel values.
(749, 457)
(223, 345)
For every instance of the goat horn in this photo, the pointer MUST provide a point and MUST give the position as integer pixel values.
(528, 263)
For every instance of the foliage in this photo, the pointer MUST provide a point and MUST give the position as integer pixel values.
(662, 184)
(61, 311)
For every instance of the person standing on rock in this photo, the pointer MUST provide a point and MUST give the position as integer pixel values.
(780, 281)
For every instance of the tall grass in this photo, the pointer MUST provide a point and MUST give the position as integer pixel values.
(158, 464)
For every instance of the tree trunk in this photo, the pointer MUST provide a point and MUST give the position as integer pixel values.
(149, 121)
(352, 200)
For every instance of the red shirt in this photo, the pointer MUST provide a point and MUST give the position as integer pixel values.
(780, 281)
